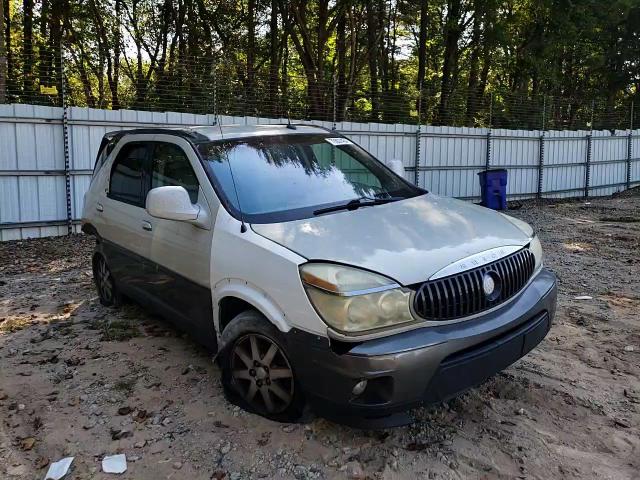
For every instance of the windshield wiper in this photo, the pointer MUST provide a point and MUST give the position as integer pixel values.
(357, 203)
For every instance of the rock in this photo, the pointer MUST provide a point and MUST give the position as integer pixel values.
(166, 421)
(117, 434)
(177, 465)
(140, 415)
(300, 472)
(289, 428)
(17, 471)
(353, 470)
(629, 348)
(157, 447)
(226, 448)
(621, 422)
(520, 411)
(140, 444)
(21, 406)
(90, 424)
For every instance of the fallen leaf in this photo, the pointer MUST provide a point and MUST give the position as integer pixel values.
(27, 443)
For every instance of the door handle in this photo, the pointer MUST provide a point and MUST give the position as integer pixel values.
(147, 226)
(99, 207)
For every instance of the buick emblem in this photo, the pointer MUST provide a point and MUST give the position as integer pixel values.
(488, 284)
(491, 285)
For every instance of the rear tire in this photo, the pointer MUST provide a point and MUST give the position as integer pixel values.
(105, 283)
(256, 371)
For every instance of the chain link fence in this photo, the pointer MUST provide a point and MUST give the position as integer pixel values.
(60, 76)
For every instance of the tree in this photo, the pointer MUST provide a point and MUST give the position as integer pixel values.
(3, 56)
(369, 59)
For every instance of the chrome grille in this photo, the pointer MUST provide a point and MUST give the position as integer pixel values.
(463, 294)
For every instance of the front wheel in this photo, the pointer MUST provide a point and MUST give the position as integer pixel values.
(105, 283)
(256, 372)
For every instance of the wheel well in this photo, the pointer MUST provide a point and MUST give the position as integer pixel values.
(229, 308)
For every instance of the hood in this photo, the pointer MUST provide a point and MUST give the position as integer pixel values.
(408, 241)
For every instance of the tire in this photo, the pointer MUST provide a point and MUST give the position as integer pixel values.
(105, 283)
(256, 372)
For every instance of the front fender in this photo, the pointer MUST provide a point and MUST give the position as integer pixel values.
(251, 294)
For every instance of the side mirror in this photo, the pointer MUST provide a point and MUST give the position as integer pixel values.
(171, 203)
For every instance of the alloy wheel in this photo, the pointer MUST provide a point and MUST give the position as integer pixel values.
(261, 373)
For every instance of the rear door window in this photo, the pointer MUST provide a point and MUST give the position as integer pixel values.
(171, 167)
(127, 174)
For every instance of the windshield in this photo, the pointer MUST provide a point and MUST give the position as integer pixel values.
(289, 177)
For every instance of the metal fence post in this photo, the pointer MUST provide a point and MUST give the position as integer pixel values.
(630, 148)
(487, 163)
(215, 91)
(587, 173)
(65, 134)
(416, 176)
(335, 103)
(541, 148)
(540, 165)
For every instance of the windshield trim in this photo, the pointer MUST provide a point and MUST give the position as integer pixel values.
(290, 214)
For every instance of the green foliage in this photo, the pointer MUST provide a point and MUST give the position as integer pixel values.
(507, 63)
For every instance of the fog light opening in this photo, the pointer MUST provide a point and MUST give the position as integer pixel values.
(359, 387)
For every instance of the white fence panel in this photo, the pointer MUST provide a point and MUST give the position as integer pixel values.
(519, 152)
(450, 159)
(33, 194)
(32, 153)
(608, 163)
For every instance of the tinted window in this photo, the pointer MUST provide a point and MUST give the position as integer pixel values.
(106, 147)
(170, 166)
(279, 178)
(127, 174)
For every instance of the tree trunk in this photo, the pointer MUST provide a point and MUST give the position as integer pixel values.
(422, 53)
(472, 84)
(251, 52)
(341, 67)
(452, 34)
(59, 14)
(372, 54)
(27, 65)
(273, 60)
(3, 56)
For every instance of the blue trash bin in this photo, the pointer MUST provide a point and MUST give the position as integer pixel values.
(493, 187)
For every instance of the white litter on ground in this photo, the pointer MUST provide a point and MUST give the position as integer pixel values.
(583, 297)
(114, 464)
(58, 469)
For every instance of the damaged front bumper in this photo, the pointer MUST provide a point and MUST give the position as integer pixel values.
(422, 366)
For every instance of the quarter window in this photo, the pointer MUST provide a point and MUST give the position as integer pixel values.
(170, 167)
(127, 174)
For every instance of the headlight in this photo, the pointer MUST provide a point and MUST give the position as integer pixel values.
(353, 300)
(536, 249)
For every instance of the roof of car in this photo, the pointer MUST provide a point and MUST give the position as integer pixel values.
(226, 132)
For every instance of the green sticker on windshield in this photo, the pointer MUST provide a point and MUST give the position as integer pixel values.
(339, 141)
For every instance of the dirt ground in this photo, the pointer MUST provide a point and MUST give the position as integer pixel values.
(78, 379)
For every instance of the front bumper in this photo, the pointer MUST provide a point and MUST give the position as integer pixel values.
(426, 365)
